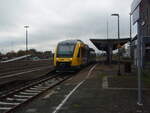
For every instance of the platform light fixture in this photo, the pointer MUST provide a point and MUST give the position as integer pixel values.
(26, 27)
(117, 15)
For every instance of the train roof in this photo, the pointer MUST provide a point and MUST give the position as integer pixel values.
(70, 42)
(74, 42)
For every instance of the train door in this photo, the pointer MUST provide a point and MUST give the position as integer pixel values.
(84, 55)
(79, 57)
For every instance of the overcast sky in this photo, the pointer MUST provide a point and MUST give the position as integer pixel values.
(51, 21)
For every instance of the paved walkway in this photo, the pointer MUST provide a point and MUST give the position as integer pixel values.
(99, 94)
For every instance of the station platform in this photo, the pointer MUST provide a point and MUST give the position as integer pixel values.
(95, 89)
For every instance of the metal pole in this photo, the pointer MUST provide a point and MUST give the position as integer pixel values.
(119, 73)
(26, 27)
(139, 103)
(119, 45)
(108, 53)
(130, 28)
(26, 40)
(130, 36)
(107, 29)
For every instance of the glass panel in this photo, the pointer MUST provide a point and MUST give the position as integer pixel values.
(65, 50)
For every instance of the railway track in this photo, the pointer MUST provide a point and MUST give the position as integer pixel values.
(11, 101)
(9, 87)
(9, 77)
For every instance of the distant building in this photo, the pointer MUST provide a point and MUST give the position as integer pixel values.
(127, 52)
(144, 14)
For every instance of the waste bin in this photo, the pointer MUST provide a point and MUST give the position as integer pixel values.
(127, 67)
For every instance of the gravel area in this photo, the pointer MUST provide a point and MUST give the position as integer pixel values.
(13, 67)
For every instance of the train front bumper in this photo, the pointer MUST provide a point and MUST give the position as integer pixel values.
(66, 66)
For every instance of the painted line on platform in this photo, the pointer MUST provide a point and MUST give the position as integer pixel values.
(67, 97)
(89, 73)
(75, 88)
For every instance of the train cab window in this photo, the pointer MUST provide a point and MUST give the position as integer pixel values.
(65, 50)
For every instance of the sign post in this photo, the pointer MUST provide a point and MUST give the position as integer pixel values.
(135, 11)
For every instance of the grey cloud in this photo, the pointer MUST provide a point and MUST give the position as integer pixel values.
(51, 21)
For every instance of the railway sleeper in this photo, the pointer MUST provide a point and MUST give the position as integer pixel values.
(32, 91)
(38, 89)
(16, 99)
(29, 94)
(41, 87)
(22, 96)
(5, 108)
(8, 103)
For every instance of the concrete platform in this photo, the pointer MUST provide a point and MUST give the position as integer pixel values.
(90, 91)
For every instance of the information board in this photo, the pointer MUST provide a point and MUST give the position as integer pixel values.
(135, 5)
(135, 10)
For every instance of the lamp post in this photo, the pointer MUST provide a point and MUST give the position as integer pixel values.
(130, 27)
(130, 35)
(117, 15)
(26, 27)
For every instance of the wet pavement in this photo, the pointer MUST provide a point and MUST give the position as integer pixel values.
(85, 93)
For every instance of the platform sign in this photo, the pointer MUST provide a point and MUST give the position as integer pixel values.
(134, 5)
(135, 10)
(136, 15)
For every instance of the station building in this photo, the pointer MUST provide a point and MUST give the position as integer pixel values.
(144, 18)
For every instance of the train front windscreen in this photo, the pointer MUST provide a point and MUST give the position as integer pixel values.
(65, 50)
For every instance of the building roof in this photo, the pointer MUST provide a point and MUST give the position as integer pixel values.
(102, 44)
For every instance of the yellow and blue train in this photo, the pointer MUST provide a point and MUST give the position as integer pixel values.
(72, 55)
